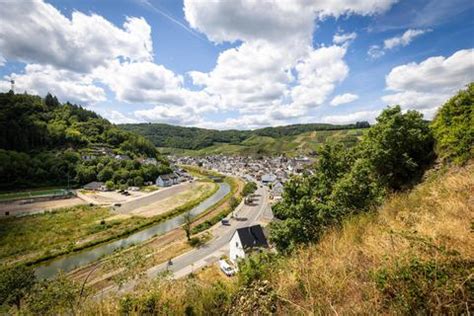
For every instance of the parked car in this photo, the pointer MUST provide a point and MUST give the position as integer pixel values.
(117, 204)
(226, 268)
(225, 222)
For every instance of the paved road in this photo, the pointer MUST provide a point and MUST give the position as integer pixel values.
(184, 264)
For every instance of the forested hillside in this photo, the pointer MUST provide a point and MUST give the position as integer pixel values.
(43, 142)
(307, 143)
(163, 135)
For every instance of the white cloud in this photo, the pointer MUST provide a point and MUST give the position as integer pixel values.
(141, 82)
(343, 99)
(404, 39)
(352, 117)
(65, 84)
(180, 115)
(318, 74)
(274, 21)
(43, 35)
(117, 117)
(342, 38)
(248, 77)
(376, 51)
(429, 84)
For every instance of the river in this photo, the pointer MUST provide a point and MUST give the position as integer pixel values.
(74, 260)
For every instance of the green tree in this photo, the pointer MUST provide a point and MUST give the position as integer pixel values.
(399, 147)
(138, 181)
(453, 127)
(15, 283)
(105, 174)
(109, 185)
(187, 225)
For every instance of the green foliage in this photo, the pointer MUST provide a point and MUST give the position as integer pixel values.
(255, 267)
(59, 296)
(15, 283)
(453, 127)
(399, 147)
(392, 155)
(249, 188)
(427, 287)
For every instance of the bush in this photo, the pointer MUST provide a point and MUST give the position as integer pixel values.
(453, 127)
(427, 287)
(15, 283)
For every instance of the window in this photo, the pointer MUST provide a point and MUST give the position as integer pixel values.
(237, 244)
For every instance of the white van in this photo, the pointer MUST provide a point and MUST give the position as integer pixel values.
(226, 268)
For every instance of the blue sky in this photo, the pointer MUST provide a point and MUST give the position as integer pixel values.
(239, 64)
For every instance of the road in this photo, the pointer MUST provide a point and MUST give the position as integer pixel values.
(244, 215)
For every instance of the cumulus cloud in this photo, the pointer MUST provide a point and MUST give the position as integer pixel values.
(65, 84)
(376, 51)
(428, 84)
(343, 99)
(352, 117)
(318, 74)
(274, 21)
(44, 36)
(404, 39)
(343, 38)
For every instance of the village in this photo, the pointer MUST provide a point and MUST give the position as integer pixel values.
(269, 171)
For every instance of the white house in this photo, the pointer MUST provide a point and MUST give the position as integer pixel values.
(268, 178)
(166, 180)
(246, 239)
(277, 190)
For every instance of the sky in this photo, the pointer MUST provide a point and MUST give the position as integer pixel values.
(239, 64)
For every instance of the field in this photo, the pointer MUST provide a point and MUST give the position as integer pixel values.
(30, 194)
(301, 144)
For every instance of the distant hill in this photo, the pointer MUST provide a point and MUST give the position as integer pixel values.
(301, 138)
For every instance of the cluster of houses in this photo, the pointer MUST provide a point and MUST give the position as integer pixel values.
(164, 180)
(271, 171)
(102, 151)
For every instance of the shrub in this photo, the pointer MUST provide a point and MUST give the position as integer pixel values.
(427, 286)
(453, 127)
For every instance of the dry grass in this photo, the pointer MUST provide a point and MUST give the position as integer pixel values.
(335, 276)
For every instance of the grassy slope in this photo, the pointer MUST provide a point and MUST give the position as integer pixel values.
(301, 144)
(416, 252)
(361, 267)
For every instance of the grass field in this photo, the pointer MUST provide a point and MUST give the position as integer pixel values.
(30, 194)
(302, 144)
